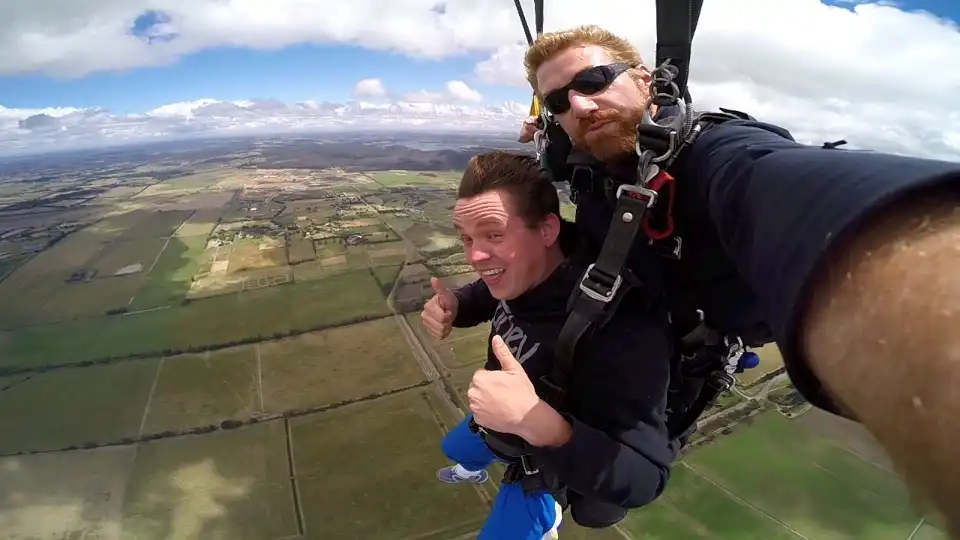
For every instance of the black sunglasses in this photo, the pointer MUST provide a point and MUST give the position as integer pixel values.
(589, 82)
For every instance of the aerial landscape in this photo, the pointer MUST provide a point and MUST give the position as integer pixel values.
(222, 340)
(219, 222)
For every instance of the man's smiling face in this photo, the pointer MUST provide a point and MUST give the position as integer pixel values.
(510, 256)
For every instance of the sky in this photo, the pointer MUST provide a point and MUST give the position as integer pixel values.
(884, 76)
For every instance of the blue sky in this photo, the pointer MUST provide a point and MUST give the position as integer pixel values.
(818, 71)
(293, 73)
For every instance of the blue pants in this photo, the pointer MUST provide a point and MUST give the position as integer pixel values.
(515, 515)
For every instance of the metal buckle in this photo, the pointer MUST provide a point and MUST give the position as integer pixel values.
(722, 381)
(527, 468)
(600, 297)
(647, 193)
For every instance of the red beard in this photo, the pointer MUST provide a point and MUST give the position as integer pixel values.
(616, 138)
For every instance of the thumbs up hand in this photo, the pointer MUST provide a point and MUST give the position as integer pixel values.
(440, 311)
(501, 400)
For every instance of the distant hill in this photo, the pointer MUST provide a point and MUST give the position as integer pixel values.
(353, 156)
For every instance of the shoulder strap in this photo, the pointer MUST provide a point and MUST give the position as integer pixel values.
(601, 287)
(676, 24)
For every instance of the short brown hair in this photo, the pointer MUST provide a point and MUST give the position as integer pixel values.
(534, 195)
(551, 43)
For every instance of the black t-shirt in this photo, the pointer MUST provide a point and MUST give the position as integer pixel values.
(619, 452)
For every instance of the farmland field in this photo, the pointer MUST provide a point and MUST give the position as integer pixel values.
(195, 390)
(335, 365)
(413, 178)
(218, 320)
(228, 485)
(192, 350)
(773, 480)
(74, 406)
(401, 435)
(64, 495)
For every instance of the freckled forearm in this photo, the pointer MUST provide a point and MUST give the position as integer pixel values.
(883, 334)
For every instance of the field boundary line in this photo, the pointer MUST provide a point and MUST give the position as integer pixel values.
(219, 426)
(10, 371)
(153, 390)
(737, 498)
(917, 528)
(294, 485)
(622, 532)
(428, 534)
(860, 488)
(861, 457)
(259, 379)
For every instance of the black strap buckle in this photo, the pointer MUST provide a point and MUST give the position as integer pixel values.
(721, 381)
(528, 468)
(599, 296)
(638, 192)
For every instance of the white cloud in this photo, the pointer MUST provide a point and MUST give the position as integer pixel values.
(461, 92)
(31, 130)
(455, 92)
(369, 89)
(877, 76)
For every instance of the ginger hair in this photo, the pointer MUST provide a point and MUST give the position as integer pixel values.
(551, 43)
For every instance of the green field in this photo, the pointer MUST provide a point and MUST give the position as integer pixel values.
(228, 485)
(74, 406)
(447, 179)
(220, 320)
(770, 479)
(398, 437)
(340, 364)
(195, 390)
(386, 276)
(169, 280)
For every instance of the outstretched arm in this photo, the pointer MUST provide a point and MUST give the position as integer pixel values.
(856, 270)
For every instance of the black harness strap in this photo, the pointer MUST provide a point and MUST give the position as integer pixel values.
(676, 24)
(523, 21)
(601, 288)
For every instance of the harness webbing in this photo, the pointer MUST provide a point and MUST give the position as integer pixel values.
(593, 300)
(676, 24)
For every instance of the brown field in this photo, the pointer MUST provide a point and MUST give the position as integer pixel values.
(300, 250)
(228, 485)
(402, 433)
(459, 280)
(334, 365)
(329, 248)
(430, 236)
(268, 277)
(414, 282)
(66, 495)
(195, 390)
(357, 223)
(770, 360)
(121, 192)
(251, 254)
